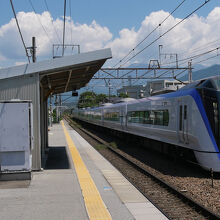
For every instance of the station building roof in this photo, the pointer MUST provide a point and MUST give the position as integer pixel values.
(62, 74)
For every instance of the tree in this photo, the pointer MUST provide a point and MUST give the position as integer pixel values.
(91, 99)
(87, 99)
(101, 98)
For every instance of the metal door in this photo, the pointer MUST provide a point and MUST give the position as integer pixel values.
(122, 117)
(183, 122)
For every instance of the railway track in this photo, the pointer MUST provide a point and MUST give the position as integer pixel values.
(171, 201)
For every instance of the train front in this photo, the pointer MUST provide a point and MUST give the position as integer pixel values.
(209, 90)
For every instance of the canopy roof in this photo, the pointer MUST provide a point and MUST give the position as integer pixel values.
(62, 74)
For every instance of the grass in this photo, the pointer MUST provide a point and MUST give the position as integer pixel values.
(113, 145)
(100, 147)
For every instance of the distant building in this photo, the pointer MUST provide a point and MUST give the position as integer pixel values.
(152, 88)
(162, 86)
(136, 91)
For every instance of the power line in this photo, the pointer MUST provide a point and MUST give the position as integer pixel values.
(209, 58)
(202, 47)
(191, 50)
(70, 23)
(150, 33)
(64, 23)
(22, 39)
(32, 6)
(55, 30)
(195, 56)
(165, 33)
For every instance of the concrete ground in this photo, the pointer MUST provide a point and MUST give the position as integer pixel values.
(55, 192)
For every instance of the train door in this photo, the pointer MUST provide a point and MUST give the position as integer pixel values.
(122, 117)
(183, 122)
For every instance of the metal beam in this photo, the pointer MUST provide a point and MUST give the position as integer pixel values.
(67, 83)
(161, 68)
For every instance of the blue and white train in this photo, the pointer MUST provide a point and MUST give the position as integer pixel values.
(188, 119)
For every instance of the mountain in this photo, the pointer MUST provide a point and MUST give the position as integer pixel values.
(204, 73)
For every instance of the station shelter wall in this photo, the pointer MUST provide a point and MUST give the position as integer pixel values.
(26, 87)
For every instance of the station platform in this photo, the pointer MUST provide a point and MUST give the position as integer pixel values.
(77, 183)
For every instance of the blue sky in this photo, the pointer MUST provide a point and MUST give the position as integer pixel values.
(118, 24)
(114, 14)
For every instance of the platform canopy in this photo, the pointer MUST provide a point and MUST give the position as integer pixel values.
(62, 74)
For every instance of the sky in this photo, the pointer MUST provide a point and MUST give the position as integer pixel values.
(116, 24)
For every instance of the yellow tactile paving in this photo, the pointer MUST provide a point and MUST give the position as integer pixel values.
(95, 206)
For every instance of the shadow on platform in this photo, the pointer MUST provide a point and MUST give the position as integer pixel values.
(57, 159)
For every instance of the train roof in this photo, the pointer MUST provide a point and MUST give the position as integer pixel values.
(212, 82)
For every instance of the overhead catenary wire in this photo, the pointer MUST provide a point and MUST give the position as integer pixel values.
(166, 32)
(55, 30)
(197, 48)
(32, 6)
(161, 36)
(19, 30)
(64, 24)
(206, 1)
(209, 58)
(202, 47)
(195, 56)
(71, 31)
(149, 33)
(22, 39)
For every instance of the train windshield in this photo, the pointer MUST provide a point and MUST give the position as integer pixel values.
(217, 83)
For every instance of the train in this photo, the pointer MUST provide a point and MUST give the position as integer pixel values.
(188, 120)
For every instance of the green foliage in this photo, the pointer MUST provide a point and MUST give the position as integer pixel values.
(91, 99)
(54, 115)
(100, 147)
(101, 98)
(113, 145)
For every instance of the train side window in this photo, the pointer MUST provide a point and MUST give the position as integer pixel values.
(185, 112)
(165, 118)
(111, 116)
(180, 118)
(154, 117)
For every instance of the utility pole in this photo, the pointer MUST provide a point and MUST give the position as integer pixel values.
(190, 71)
(160, 49)
(109, 90)
(33, 50)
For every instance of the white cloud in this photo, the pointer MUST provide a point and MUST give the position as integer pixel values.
(195, 32)
(90, 37)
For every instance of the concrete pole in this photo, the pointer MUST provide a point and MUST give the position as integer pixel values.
(33, 49)
(190, 71)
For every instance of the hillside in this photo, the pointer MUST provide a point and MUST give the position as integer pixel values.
(204, 73)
